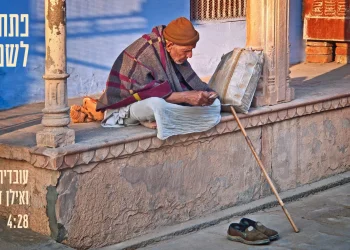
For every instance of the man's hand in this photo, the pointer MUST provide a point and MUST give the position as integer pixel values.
(212, 96)
(197, 98)
(193, 97)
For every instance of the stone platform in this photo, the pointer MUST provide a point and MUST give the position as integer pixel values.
(323, 220)
(116, 184)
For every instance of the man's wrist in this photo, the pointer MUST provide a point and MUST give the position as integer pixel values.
(177, 97)
(183, 97)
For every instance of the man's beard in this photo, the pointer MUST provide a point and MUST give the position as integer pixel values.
(180, 62)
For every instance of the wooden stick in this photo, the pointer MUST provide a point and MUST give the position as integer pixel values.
(264, 171)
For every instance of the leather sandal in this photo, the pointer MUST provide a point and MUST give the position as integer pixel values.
(272, 234)
(246, 234)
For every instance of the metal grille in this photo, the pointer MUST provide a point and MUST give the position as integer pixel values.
(202, 10)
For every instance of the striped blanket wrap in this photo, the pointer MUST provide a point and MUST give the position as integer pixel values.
(143, 70)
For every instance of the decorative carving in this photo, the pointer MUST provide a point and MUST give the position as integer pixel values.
(130, 147)
(317, 107)
(59, 162)
(309, 109)
(64, 160)
(145, 144)
(271, 61)
(101, 154)
(170, 141)
(301, 110)
(209, 132)
(343, 102)
(273, 117)
(196, 136)
(282, 114)
(232, 126)
(326, 105)
(292, 112)
(156, 143)
(56, 118)
(268, 26)
(263, 119)
(71, 160)
(117, 150)
(41, 161)
(184, 138)
(86, 157)
(254, 121)
(220, 128)
(335, 104)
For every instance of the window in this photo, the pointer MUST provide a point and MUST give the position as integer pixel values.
(203, 10)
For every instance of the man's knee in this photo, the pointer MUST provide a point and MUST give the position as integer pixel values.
(144, 110)
(156, 101)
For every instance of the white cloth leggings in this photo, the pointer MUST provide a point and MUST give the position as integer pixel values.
(173, 119)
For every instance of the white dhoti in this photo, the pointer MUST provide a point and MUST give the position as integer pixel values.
(171, 119)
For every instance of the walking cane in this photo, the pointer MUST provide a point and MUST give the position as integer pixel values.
(264, 171)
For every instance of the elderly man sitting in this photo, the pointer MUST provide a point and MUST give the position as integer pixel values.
(152, 83)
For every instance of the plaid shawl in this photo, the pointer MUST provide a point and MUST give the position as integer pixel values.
(144, 69)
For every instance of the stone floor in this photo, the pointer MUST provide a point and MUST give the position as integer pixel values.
(323, 220)
(25, 239)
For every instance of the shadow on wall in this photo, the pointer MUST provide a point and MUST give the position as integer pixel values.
(97, 31)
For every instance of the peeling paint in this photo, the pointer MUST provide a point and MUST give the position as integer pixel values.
(51, 198)
(150, 177)
(56, 15)
(343, 149)
(67, 190)
(316, 145)
(346, 123)
(330, 131)
(49, 61)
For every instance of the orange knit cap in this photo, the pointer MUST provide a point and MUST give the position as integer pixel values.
(181, 32)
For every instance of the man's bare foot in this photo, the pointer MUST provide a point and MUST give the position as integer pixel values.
(152, 125)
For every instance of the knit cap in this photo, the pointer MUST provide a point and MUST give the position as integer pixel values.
(181, 32)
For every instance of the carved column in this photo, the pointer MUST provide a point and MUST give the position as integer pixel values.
(268, 29)
(56, 112)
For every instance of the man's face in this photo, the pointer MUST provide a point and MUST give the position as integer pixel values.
(179, 53)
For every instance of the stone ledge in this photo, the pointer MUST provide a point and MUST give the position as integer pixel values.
(92, 149)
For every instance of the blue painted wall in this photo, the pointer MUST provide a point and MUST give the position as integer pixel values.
(296, 32)
(97, 31)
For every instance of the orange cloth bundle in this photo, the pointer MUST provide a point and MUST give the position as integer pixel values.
(87, 112)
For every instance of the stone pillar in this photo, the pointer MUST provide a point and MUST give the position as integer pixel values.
(268, 29)
(254, 18)
(56, 112)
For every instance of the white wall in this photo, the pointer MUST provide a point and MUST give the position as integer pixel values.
(216, 39)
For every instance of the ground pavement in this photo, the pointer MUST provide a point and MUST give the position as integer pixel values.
(323, 219)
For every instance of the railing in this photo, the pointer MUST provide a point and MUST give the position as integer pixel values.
(204, 10)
